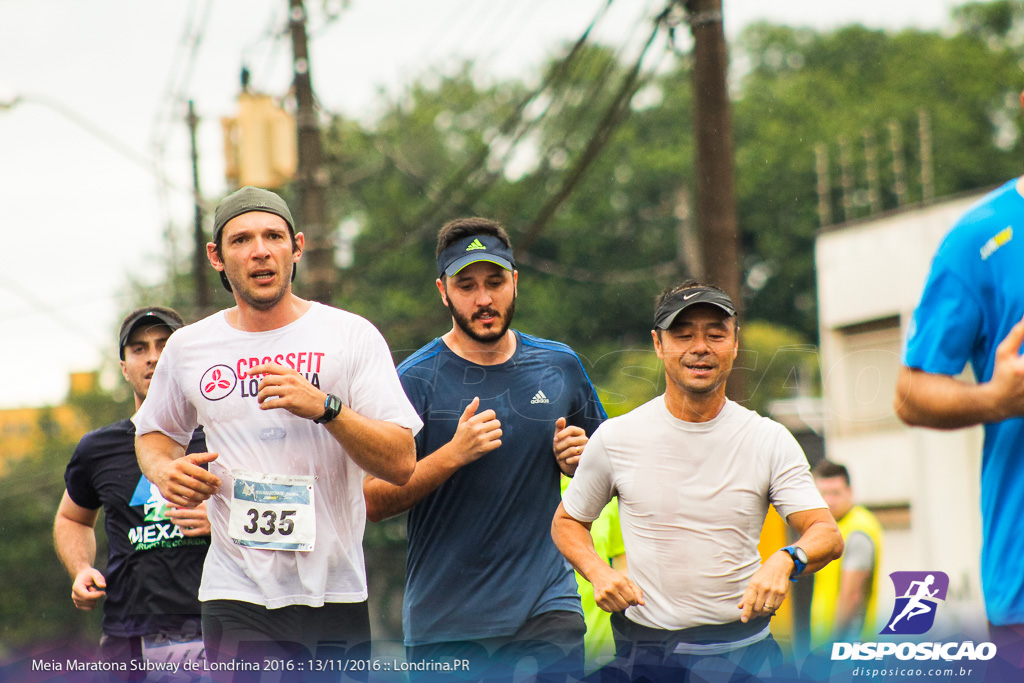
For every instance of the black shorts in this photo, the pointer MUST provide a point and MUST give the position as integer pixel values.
(648, 653)
(547, 648)
(235, 630)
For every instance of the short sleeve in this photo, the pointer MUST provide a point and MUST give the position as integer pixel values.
(78, 479)
(592, 487)
(167, 408)
(375, 391)
(792, 487)
(587, 413)
(948, 320)
(858, 553)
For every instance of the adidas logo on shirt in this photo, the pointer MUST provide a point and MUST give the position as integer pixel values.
(475, 244)
(539, 397)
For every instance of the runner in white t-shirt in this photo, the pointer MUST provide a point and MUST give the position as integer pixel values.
(694, 474)
(298, 400)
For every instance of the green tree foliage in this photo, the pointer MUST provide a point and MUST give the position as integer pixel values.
(999, 23)
(36, 611)
(448, 151)
(590, 269)
(630, 378)
(595, 211)
(804, 88)
(779, 363)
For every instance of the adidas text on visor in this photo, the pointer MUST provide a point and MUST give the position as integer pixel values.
(471, 249)
(680, 301)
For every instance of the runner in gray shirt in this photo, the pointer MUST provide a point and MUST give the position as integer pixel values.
(695, 473)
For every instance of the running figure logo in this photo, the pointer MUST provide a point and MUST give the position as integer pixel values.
(917, 596)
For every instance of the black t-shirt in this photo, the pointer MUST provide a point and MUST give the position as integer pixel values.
(153, 570)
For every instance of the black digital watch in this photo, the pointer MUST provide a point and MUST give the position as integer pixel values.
(332, 406)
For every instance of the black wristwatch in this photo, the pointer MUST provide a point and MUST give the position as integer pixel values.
(799, 559)
(332, 406)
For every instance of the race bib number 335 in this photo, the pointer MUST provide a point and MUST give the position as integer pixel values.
(273, 511)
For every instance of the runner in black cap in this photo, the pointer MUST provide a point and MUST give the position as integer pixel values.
(503, 412)
(156, 551)
(695, 474)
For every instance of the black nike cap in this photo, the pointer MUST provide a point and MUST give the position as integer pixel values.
(683, 299)
(151, 315)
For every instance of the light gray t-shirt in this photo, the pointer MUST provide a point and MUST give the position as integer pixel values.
(858, 553)
(692, 501)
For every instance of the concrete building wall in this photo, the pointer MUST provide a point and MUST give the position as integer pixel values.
(923, 483)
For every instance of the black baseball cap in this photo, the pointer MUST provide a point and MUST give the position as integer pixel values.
(683, 299)
(152, 315)
(472, 249)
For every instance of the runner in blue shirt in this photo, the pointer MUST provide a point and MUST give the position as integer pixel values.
(503, 413)
(971, 311)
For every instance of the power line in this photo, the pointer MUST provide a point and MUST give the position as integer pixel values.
(172, 105)
(103, 136)
(459, 16)
(613, 116)
(589, 276)
(517, 126)
(512, 124)
(51, 312)
(182, 68)
(488, 35)
(275, 32)
(543, 173)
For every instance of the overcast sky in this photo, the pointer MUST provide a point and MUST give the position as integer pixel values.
(100, 115)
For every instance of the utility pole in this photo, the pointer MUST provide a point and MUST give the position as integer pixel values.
(312, 176)
(716, 202)
(824, 187)
(199, 263)
(899, 168)
(925, 142)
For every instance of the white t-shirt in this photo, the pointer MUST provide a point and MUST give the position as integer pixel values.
(202, 379)
(692, 501)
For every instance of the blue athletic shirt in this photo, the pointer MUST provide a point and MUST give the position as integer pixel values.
(973, 296)
(481, 561)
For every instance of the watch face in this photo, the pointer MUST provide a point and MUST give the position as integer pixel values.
(800, 554)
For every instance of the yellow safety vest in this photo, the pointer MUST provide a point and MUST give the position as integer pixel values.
(826, 580)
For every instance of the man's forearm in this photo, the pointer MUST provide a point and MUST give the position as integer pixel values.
(823, 543)
(384, 499)
(573, 539)
(819, 538)
(613, 590)
(182, 481)
(75, 544)
(925, 399)
(382, 449)
(851, 602)
(153, 451)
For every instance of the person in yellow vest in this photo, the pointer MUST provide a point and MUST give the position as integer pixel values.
(846, 592)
